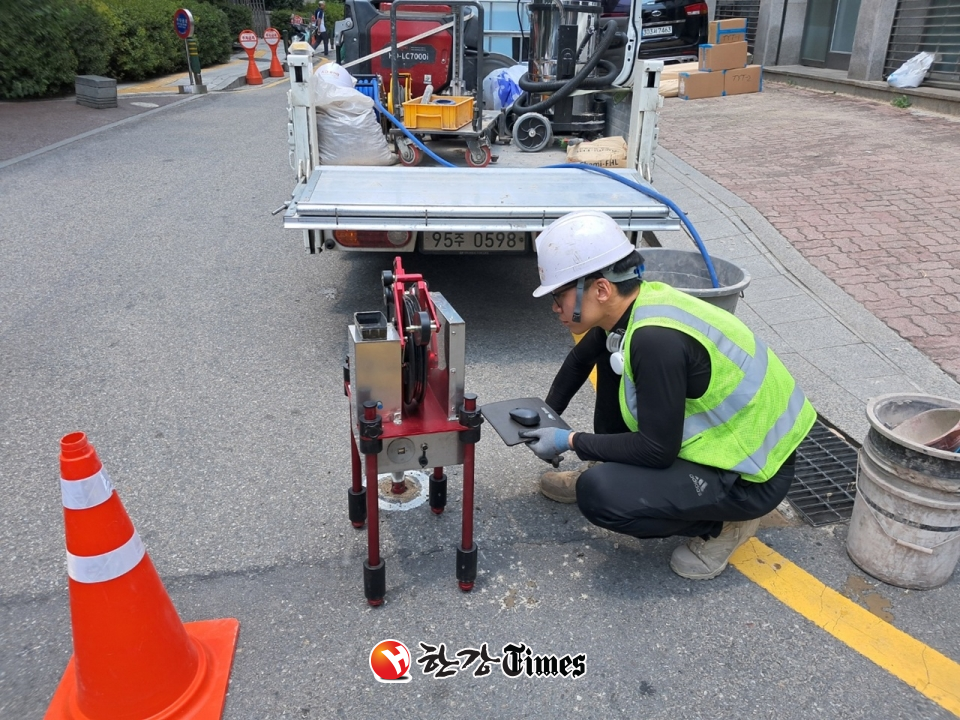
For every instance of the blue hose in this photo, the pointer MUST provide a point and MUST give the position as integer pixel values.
(650, 192)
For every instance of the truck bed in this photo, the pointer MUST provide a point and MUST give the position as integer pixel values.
(496, 198)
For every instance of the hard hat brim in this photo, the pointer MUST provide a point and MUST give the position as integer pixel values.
(545, 289)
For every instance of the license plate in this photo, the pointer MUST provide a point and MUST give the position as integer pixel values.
(661, 30)
(493, 242)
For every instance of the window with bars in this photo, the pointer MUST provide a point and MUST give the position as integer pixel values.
(749, 9)
(927, 26)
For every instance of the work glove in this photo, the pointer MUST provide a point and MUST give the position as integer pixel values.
(547, 443)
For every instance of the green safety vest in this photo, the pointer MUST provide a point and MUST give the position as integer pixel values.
(753, 414)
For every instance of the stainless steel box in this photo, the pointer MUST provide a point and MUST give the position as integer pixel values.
(375, 367)
(447, 387)
(375, 374)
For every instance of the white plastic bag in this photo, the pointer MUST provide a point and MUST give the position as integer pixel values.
(501, 88)
(347, 129)
(912, 72)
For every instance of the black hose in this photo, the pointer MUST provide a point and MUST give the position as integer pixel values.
(568, 86)
(601, 81)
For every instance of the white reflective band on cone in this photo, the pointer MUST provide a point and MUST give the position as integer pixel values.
(87, 493)
(109, 566)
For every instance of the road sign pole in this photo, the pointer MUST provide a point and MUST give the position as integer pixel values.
(193, 52)
(183, 26)
(186, 48)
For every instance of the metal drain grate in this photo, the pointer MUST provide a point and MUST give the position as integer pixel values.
(825, 487)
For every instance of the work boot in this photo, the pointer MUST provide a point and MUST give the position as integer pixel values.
(700, 559)
(561, 486)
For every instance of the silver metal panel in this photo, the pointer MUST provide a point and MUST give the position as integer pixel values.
(545, 22)
(447, 381)
(375, 367)
(443, 449)
(500, 199)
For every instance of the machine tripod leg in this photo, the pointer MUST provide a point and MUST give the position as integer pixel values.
(438, 490)
(356, 495)
(374, 577)
(374, 583)
(466, 568)
(357, 504)
(467, 551)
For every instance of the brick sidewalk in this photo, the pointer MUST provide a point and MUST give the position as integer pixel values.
(868, 193)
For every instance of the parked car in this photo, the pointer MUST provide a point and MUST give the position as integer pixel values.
(673, 30)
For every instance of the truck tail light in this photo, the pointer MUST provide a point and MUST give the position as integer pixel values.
(371, 238)
(696, 9)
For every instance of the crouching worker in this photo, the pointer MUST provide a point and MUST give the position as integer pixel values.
(696, 421)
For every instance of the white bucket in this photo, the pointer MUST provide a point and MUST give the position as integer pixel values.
(905, 528)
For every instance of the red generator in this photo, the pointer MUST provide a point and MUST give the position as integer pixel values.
(365, 30)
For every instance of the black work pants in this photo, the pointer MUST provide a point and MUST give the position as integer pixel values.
(684, 499)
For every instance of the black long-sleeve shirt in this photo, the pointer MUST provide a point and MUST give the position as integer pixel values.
(669, 366)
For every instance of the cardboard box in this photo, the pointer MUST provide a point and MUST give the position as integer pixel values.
(693, 85)
(721, 32)
(727, 56)
(743, 80)
(670, 77)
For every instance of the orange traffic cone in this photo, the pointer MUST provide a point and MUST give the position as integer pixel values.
(133, 657)
(276, 69)
(253, 76)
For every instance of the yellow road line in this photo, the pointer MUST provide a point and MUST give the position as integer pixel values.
(171, 83)
(920, 666)
(166, 84)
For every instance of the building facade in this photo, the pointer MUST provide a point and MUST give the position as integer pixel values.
(866, 39)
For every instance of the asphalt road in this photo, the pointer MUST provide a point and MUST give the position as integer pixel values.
(149, 299)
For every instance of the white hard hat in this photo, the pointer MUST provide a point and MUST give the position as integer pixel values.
(576, 245)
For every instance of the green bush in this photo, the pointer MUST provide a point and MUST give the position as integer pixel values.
(47, 43)
(147, 45)
(34, 60)
(239, 18)
(90, 36)
(214, 39)
(272, 5)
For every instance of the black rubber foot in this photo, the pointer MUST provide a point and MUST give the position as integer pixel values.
(467, 567)
(438, 494)
(357, 505)
(374, 582)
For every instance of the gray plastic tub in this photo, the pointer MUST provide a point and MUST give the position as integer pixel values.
(686, 270)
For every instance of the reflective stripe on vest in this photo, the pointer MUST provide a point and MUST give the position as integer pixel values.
(784, 424)
(86, 493)
(109, 566)
(754, 368)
